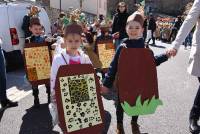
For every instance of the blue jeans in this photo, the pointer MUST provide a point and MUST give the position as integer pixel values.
(2, 76)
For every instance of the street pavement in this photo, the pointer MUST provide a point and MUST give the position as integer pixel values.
(177, 90)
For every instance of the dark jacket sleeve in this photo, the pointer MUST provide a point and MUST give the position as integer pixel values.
(110, 76)
(114, 24)
(25, 23)
(160, 59)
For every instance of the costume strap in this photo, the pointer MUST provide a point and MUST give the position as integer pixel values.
(64, 59)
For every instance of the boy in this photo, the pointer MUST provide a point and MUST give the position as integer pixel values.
(134, 29)
(37, 37)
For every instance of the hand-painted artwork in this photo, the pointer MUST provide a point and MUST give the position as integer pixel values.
(32, 74)
(138, 86)
(37, 62)
(79, 103)
(106, 52)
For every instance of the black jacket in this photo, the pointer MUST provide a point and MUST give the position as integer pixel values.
(177, 24)
(110, 77)
(25, 26)
(119, 24)
(152, 24)
(35, 39)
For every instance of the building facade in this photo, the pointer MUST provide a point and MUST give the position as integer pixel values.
(93, 7)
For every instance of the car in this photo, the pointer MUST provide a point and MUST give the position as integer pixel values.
(13, 38)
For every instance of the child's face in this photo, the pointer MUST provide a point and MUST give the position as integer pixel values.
(134, 30)
(36, 30)
(122, 8)
(72, 41)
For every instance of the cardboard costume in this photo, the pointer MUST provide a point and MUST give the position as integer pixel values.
(106, 52)
(137, 81)
(37, 59)
(79, 104)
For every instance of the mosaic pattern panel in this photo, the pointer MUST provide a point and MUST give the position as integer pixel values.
(80, 103)
(38, 63)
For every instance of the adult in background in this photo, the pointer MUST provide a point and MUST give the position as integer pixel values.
(5, 102)
(192, 18)
(119, 23)
(145, 28)
(152, 28)
(176, 27)
(33, 12)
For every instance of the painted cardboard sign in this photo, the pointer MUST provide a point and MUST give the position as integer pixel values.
(78, 99)
(137, 81)
(37, 59)
(106, 52)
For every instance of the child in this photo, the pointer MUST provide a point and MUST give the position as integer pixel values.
(37, 37)
(134, 29)
(71, 55)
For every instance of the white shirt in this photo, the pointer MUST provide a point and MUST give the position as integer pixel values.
(59, 61)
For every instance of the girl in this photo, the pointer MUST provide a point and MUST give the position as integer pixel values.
(70, 55)
(134, 29)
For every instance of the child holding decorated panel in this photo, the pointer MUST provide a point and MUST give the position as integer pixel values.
(70, 55)
(134, 29)
(37, 37)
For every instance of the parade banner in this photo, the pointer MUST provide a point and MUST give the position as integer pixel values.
(137, 81)
(106, 52)
(37, 59)
(80, 108)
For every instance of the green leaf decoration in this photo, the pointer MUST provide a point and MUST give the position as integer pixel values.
(138, 101)
(66, 21)
(148, 107)
(82, 17)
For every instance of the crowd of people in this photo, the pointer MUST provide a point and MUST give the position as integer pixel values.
(72, 36)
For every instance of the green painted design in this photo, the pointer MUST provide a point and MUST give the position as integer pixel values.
(66, 21)
(142, 2)
(148, 107)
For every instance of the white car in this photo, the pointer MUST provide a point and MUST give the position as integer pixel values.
(11, 19)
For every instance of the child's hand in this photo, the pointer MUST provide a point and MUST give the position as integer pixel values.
(171, 52)
(168, 54)
(53, 46)
(48, 39)
(116, 35)
(104, 90)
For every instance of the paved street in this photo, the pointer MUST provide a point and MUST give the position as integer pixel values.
(177, 89)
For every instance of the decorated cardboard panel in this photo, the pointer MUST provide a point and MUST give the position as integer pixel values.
(137, 81)
(106, 52)
(37, 59)
(78, 99)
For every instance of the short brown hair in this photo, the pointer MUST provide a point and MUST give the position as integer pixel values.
(136, 16)
(73, 28)
(35, 21)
